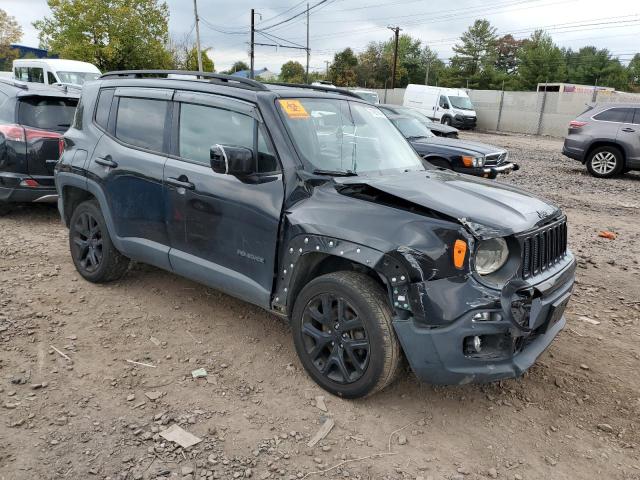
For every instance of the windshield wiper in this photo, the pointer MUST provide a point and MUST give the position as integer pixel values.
(336, 173)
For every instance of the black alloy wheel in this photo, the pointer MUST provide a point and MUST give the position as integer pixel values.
(335, 338)
(87, 239)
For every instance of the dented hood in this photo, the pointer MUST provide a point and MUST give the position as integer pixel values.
(485, 207)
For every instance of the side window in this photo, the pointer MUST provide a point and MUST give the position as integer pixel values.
(636, 116)
(77, 116)
(51, 78)
(103, 106)
(201, 127)
(613, 115)
(140, 122)
(20, 73)
(36, 74)
(443, 102)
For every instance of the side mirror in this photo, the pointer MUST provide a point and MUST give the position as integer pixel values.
(232, 160)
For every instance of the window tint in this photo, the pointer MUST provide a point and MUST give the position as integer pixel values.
(47, 113)
(29, 74)
(51, 79)
(103, 106)
(77, 117)
(613, 115)
(140, 122)
(201, 127)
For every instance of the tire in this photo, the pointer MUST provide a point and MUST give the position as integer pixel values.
(446, 121)
(352, 355)
(92, 251)
(5, 208)
(605, 162)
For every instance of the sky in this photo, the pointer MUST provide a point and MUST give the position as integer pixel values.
(337, 24)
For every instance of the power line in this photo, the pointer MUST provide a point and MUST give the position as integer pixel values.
(294, 16)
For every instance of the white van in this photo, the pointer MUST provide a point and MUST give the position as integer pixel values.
(450, 106)
(54, 70)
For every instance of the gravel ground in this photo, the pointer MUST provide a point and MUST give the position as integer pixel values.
(72, 406)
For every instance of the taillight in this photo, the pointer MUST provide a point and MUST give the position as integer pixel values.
(29, 182)
(33, 134)
(576, 124)
(13, 132)
(60, 146)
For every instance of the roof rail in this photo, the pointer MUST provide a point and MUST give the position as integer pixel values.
(15, 83)
(319, 88)
(231, 81)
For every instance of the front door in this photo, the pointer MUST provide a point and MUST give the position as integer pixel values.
(128, 162)
(629, 137)
(223, 230)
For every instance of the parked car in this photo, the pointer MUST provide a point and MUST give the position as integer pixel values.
(311, 205)
(437, 129)
(368, 95)
(606, 138)
(450, 106)
(472, 158)
(32, 121)
(54, 70)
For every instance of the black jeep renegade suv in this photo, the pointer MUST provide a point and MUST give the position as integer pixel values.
(308, 202)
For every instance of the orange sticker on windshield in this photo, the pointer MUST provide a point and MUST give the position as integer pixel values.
(293, 108)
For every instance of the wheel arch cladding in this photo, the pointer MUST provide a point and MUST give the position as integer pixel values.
(73, 196)
(309, 256)
(605, 143)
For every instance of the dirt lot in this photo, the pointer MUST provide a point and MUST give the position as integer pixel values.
(575, 415)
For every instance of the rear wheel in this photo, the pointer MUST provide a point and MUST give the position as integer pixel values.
(446, 121)
(605, 162)
(92, 251)
(343, 334)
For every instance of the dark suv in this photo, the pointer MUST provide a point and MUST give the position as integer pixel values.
(307, 202)
(33, 118)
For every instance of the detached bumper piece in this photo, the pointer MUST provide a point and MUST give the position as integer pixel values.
(490, 172)
(501, 339)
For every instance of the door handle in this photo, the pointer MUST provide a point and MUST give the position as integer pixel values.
(180, 183)
(628, 130)
(106, 161)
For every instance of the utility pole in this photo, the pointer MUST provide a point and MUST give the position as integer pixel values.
(251, 54)
(426, 77)
(195, 12)
(326, 62)
(396, 31)
(308, 51)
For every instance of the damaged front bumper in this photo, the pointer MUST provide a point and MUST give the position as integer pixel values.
(510, 334)
(490, 172)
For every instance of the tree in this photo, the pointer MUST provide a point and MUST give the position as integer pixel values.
(507, 54)
(372, 68)
(475, 57)
(112, 34)
(343, 69)
(540, 61)
(292, 72)
(590, 66)
(10, 32)
(237, 66)
(633, 73)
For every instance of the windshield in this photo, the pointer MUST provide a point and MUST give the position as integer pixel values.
(411, 128)
(463, 103)
(410, 112)
(77, 77)
(345, 136)
(371, 97)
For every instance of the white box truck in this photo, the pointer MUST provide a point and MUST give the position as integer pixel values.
(450, 106)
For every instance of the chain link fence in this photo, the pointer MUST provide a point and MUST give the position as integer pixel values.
(532, 113)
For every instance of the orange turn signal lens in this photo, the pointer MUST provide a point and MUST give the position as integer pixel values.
(467, 161)
(459, 252)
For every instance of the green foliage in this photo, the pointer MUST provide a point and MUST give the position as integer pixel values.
(112, 34)
(633, 73)
(292, 72)
(342, 71)
(590, 66)
(10, 32)
(236, 67)
(540, 61)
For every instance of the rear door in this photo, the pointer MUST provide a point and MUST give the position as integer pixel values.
(128, 162)
(629, 137)
(223, 229)
(44, 120)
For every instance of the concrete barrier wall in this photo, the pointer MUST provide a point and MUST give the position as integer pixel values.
(533, 113)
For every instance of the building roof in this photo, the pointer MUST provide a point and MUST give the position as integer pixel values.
(246, 73)
(37, 52)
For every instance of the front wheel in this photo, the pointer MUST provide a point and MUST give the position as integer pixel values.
(92, 251)
(605, 162)
(446, 121)
(343, 334)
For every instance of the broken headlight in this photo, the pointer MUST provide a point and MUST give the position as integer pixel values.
(491, 255)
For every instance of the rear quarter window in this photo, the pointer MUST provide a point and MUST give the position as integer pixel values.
(103, 107)
(613, 115)
(47, 113)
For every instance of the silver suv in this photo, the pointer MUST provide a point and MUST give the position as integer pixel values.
(606, 138)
